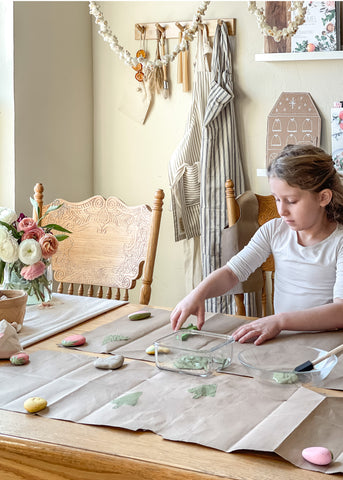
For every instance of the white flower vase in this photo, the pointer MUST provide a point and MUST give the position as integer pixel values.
(38, 290)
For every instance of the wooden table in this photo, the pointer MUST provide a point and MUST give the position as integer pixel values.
(38, 448)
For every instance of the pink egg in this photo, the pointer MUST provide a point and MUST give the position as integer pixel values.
(20, 358)
(73, 341)
(317, 455)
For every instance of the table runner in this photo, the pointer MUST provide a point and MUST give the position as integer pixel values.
(138, 335)
(65, 311)
(225, 412)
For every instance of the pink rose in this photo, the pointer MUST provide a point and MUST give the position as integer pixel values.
(49, 245)
(35, 232)
(33, 271)
(341, 115)
(26, 224)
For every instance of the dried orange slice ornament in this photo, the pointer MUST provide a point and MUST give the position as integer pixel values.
(139, 76)
(138, 67)
(141, 53)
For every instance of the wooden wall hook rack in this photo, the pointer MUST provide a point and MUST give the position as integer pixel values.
(172, 29)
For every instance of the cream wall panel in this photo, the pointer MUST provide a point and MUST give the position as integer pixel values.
(53, 100)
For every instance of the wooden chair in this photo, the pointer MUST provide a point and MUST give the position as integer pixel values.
(266, 211)
(111, 244)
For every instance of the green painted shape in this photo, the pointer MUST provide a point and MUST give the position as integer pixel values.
(192, 362)
(184, 336)
(204, 391)
(129, 399)
(114, 338)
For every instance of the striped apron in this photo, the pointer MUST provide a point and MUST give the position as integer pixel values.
(184, 165)
(220, 160)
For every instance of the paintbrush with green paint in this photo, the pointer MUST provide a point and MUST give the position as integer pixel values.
(308, 365)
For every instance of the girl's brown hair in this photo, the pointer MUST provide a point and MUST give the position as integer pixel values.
(310, 168)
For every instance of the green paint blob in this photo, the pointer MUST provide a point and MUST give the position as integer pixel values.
(204, 391)
(129, 399)
(192, 362)
(285, 377)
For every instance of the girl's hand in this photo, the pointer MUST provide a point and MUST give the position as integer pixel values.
(258, 331)
(190, 305)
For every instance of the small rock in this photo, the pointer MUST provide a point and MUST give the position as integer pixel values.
(140, 315)
(73, 341)
(109, 363)
(35, 404)
(317, 455)
(20, 358)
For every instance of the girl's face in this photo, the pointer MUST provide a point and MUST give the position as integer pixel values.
(300, 209)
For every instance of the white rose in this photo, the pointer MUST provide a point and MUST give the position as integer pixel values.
(3, 233)
(8, 247)
(30, 251)
(7, 215)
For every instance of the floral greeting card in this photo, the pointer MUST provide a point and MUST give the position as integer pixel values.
(319, 32)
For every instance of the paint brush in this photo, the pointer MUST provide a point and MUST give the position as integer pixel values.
(308, 365)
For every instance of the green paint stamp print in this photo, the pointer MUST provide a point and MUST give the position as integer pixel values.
(114, 338)
(204, 391)
(129, 399)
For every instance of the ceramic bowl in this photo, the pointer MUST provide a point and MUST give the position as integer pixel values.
(274, 365)
(194, 352)
(13, 307)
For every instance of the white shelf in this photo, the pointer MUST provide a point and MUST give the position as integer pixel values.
(293, 57)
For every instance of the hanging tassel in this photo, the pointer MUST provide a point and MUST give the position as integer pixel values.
(157, 74)
(165, 91)
(179, 62)
(185, 73)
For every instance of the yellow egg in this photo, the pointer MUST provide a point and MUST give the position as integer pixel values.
(151, 350)
(35, 404)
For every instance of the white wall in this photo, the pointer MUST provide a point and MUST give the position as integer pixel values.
(6, 105)
(53, 91)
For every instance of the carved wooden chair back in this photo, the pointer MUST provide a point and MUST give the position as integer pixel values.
(266, 211)
(111, 245)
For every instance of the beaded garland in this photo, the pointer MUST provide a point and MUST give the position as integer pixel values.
(288, 31)
(189, 33)
(106, 33)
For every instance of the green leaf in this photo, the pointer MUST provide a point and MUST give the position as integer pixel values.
(60, 238)
(11, 229)
(53, 226)
(2, 269)
(50, 209)
(35, 205)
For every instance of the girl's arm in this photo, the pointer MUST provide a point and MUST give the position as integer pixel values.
(323, 317)
(217, 283)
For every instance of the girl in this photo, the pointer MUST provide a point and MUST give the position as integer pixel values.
(307, 245)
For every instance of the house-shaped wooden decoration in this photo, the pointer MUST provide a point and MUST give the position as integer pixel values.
(294, 119)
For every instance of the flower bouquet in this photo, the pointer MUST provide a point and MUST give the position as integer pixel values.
(25, 252)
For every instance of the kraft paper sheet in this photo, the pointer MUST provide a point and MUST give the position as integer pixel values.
(225, 412)
(65, 312)
(143, 333)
